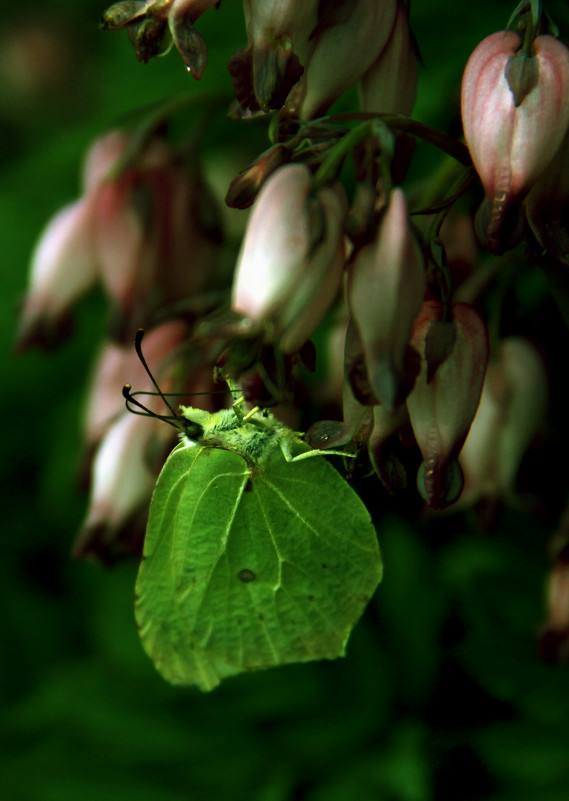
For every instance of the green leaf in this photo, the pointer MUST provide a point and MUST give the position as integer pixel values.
(253, 556)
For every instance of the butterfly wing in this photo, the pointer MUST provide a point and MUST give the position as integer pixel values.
(191, 516)
(243, 572)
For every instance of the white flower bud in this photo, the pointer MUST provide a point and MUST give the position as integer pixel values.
(290, 265)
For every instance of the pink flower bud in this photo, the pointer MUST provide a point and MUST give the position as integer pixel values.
(120, 236)
(152, 240)
(445, 397)
(515, 114)
(347, 41)
(389, 86)
(291, 261)
(385, 290)
(64, 267)
(102, 158)
(124, 472)
(511, 412)
(363, 425)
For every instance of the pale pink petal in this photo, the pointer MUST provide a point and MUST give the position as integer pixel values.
(64, 267)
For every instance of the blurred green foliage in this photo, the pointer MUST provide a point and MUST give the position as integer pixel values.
(442, 693)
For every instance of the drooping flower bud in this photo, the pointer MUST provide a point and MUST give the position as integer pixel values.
(124, 472)
(155, 24)
(245, 187)
(515, 113)
(291, 261)
(188, 42)
(385, 290)
(445, 397)
(279, 42)
(364, 426)
(511, 412)
(351, 34)
(389, 86)
(64, 267)
(152, 240)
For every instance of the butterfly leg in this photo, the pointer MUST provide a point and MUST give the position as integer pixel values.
(286, 446)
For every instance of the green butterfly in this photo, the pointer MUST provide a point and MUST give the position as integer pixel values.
(255, 555)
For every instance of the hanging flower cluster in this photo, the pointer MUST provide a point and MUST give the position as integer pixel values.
(394, 282)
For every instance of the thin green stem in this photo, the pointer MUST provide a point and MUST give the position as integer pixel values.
(397, 122)
(338, 152)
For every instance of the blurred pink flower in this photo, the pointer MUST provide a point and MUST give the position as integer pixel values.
(124, 471)
(139, 229)
(511, 412)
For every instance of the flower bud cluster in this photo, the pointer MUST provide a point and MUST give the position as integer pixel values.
(426, 398)
(155, 25)
(293, 50)
(124, 451)
(131, 231)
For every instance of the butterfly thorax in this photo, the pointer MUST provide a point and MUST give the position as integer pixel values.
(255, 439)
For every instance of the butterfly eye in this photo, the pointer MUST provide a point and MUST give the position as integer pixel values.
(192, 431)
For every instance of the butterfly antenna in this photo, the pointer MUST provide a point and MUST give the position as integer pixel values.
(129, 398)
(138, 347)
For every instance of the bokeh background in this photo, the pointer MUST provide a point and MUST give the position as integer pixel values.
(442, 693)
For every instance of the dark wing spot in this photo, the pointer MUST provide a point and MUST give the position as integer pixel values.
(246, 575)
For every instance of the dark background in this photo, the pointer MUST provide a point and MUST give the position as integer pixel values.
(442, 693)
